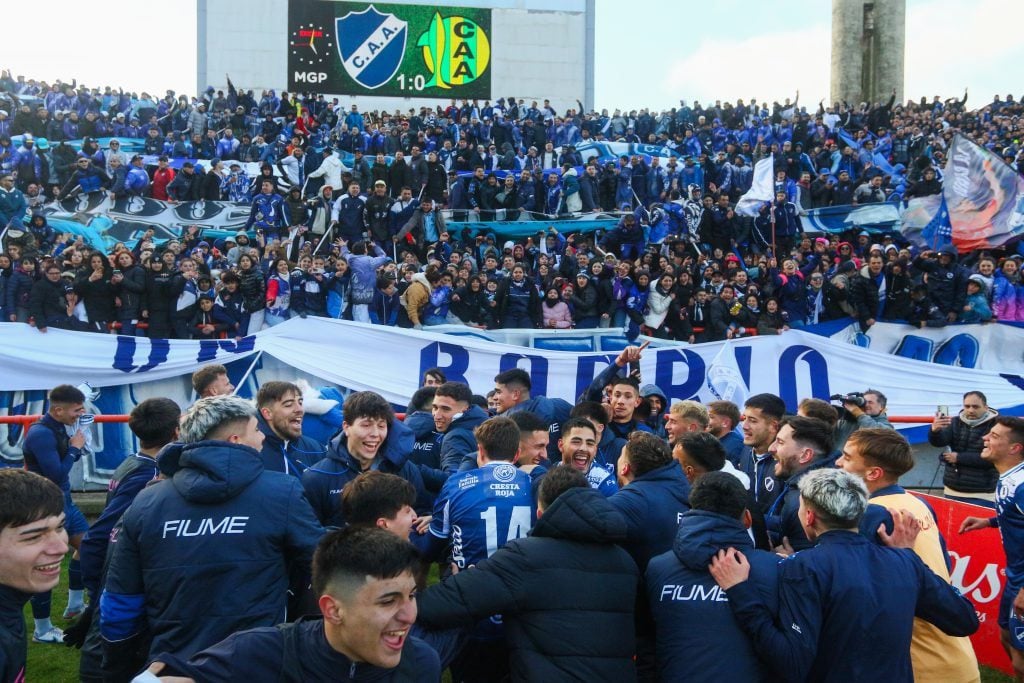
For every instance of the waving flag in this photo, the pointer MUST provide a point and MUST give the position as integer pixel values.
(985, 197)
(762, 190)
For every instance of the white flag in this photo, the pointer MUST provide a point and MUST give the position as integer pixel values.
(761, 190)
(724, 378)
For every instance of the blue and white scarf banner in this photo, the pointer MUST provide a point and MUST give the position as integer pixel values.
(103, 223)
(836, 219)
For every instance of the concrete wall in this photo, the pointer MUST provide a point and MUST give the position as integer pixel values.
(867, 66)
(541, 50)
(889, 43)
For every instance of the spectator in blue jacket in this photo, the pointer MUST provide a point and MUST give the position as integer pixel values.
(364, 578)
(846, 606)
(371, 438)
(698, 638)
(285, 449)
(219, 526)
(268, 213)
(386, 302)
(364, 268)
(13, 204)
(349, 214)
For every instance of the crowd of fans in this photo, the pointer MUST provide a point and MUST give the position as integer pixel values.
(370, 241)
(643, 514)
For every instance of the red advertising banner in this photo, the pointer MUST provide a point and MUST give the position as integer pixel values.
(979, 571)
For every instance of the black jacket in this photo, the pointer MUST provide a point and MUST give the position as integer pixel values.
(947, 285)
(12, 635)
(98, 297)
(566, 595)
(47, 302)
(970, 474)
(863, 296)
(719, 319)
(130, 291)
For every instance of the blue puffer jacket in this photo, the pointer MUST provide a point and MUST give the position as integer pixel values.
(698, 638)
(652, 504)
(221, 527)
(324, 481)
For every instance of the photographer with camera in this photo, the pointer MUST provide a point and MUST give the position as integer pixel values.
(859, 410)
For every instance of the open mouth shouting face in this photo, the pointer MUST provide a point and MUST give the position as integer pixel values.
(373, 622)
(579, 447)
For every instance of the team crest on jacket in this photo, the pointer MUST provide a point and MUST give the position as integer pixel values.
(504, 473)
(371, 45)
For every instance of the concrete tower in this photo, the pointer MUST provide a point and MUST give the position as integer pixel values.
(868, 38)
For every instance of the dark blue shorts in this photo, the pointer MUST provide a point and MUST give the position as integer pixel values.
(74, 521)
(1008, 621)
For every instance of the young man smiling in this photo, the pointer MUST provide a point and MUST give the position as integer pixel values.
(285, 449)
(579, 448)
(33, 543)
(364, 578)
(371, 439)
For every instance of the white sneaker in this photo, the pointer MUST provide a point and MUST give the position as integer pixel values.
(54, 635)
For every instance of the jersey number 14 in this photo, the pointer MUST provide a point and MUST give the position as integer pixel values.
(519, 525)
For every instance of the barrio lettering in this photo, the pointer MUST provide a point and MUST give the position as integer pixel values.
(208, 526)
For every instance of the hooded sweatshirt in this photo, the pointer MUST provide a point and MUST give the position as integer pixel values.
(220, 526)
(698, 638)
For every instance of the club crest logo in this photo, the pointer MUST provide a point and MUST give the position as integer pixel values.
(504, 473)
(371, 45)
(456, 51)
(200, 210)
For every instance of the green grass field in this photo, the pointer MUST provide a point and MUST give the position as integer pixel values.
(59, 664)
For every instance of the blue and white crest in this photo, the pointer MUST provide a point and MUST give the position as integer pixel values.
(371, 45)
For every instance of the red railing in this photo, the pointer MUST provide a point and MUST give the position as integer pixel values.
(26, 420)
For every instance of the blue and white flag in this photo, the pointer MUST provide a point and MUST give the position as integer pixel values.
(724, 379)
(761, 190)
(925, 222)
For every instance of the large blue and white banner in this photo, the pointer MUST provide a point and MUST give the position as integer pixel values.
(993, 348)
(391, 361)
